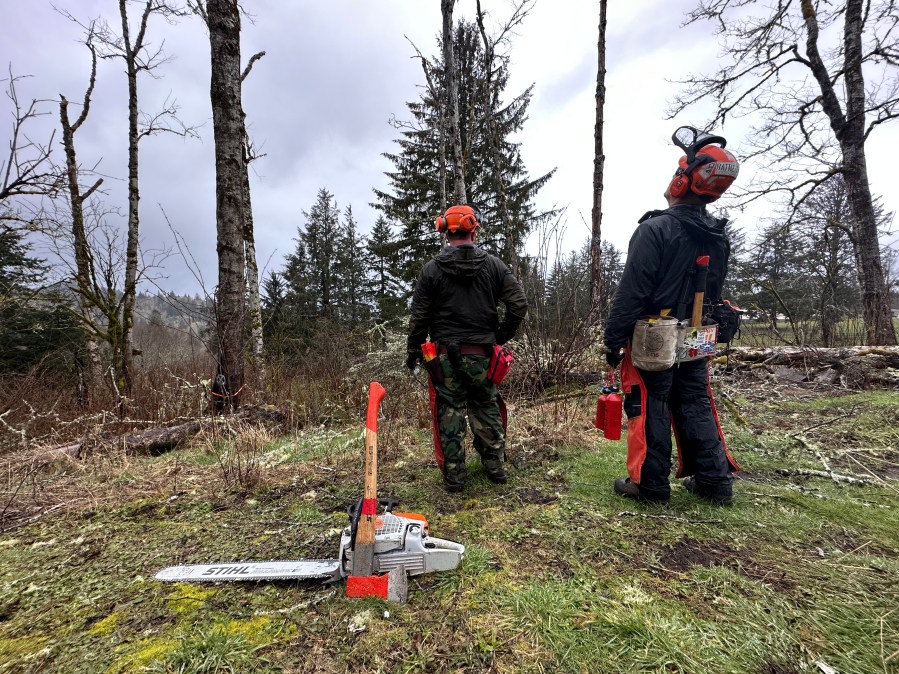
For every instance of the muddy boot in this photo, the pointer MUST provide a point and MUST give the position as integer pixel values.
(713, 497)
(454, 475)
(496, 471)
(624, 487)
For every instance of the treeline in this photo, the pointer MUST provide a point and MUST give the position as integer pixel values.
(798, 279)
(337, 278)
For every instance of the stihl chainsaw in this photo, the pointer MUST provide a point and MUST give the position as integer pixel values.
(401, 539)
(395, 544)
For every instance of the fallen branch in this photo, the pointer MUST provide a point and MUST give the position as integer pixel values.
(849, 479)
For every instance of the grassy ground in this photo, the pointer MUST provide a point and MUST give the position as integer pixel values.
(560, 575)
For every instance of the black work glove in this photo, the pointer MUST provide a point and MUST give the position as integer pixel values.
(614, 356)
(413, 359)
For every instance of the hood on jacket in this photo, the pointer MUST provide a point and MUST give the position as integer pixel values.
(463, 262)
(698, 223)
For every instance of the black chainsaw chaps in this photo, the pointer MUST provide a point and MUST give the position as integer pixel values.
(633, 406)
(702, 449)
(657, 432)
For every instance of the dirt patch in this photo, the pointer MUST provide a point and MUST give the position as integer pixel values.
(689, 552)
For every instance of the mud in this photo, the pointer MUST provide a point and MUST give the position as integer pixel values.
(688, 552)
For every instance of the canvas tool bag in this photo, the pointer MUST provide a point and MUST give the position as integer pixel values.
(654, 343)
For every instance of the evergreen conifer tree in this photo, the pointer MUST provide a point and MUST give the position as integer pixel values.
(352, 289)
(387, 289)
(414, 196)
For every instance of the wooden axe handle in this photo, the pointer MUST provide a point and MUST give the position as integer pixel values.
(365, 533)
(702, 274)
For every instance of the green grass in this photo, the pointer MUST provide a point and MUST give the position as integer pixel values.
(560, 575)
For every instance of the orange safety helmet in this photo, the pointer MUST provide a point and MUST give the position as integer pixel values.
(708, 171)
(457, 218)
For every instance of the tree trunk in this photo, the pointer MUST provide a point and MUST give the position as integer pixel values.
(254, 310)
(125, 375)
(510, 245)
(849, 130)
(599, 160)
(223, 20)
(452, 100)
(84, 266)
(875, 294)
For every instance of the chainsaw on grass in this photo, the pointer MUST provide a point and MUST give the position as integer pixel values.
(401, 539)
(395, 544)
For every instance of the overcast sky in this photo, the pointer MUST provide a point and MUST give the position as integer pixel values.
(319, 102)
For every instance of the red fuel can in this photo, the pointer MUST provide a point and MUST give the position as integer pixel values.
(613, 408)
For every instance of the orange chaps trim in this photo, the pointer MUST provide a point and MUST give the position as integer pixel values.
(636, 426)
(435, 425)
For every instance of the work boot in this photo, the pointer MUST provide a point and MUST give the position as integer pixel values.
(496, 471)
(454, 475)
(692, 486)
(624, 487)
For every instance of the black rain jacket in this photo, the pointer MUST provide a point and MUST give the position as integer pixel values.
(456, 299)
(660, 256)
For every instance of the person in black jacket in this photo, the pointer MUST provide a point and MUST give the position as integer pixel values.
(455, 303)
(662, 255)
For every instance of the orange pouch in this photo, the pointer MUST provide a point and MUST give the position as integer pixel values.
(500, 364)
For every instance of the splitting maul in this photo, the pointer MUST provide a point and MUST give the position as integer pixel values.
(401, 540)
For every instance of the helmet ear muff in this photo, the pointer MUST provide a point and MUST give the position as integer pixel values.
(680, 184)
(440, 223)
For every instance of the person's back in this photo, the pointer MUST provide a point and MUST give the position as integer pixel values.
(455, 303)
(665, 244)
(457, 296)
(661, 277)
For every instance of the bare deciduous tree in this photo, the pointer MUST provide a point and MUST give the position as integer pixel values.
(84, 261)
(254, 310)
(599, 160)
(27, 169)
(223, 21)
(817, 111)
(452, 101)
(140, 56)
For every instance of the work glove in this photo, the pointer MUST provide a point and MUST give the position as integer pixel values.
(413, 359)
(614, 356)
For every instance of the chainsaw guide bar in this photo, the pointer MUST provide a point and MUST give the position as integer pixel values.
(400, 541)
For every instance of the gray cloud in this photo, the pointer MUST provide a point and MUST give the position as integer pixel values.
(319, 102)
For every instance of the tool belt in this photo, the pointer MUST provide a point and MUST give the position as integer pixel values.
(470, 349)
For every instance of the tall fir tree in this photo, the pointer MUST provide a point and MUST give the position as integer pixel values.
(352, 290)
(414, 196)
(312, 267)
(388, 292)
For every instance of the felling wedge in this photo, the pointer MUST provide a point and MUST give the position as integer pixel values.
(401, 544)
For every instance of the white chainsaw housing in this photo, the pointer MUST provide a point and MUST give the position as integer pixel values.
(403, 541)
